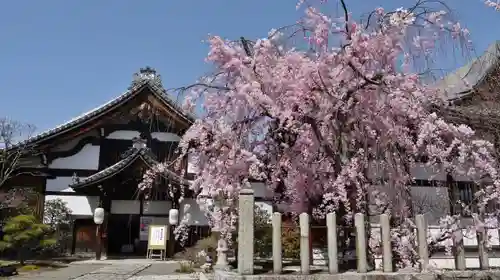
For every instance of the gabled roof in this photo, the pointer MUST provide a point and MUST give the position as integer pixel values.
(148, 79)
(131, 156)
(461, 82)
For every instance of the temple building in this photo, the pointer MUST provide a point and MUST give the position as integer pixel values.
(99, 158)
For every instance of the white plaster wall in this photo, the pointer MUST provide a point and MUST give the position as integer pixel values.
(60, 184)
(197, 216)
(123, 135)
(80, 206)
(166, 136)
(125, 206)
(86, 158)
(153, 207)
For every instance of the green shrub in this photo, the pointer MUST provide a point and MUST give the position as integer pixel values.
(185, 267)
(263, 233)
(290, 238)
(25, 234)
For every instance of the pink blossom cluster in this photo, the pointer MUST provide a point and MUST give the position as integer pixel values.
(310, 122)
(493, 4)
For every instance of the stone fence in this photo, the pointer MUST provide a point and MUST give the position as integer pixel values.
(246, 242)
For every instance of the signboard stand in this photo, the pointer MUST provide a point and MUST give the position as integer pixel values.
(157, 241)
(152, 255)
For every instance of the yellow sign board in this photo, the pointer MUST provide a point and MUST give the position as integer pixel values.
(157, 237)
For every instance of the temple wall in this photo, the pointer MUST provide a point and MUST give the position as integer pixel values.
(80, 153)
(80, 206)
(125, 207)
(154, 207)
(87, 158)
(71, 143)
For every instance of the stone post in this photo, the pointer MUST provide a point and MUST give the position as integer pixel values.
(484, 262)
(304, 243)
(423, 251)
(459, 251)
(331, 225)
(222, 249)
(385, 231)
(361, 249)
(277, 260)
(245, 232)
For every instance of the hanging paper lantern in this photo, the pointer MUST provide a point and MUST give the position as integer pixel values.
(173, 216)
(99, 216)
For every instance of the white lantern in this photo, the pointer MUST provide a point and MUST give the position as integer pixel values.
(173, 216)
(99, 216)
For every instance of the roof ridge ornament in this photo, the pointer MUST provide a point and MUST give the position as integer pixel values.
(139, 143)
(146, 74)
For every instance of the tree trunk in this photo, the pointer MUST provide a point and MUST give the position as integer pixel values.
(20, 256)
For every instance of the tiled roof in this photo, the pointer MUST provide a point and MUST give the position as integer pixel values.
(133, 154)
(156, 88)
(461, 82)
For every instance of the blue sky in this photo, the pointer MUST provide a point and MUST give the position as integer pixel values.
(60, 58)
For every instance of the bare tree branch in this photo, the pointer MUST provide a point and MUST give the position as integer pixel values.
(12, 153)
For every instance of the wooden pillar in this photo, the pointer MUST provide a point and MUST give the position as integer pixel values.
(40, 204)
(73, 241)
(105, 202)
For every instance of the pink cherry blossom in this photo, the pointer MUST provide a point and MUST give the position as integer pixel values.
(312, 122)
(493, 4)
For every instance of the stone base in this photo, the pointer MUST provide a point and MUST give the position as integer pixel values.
(375, 275)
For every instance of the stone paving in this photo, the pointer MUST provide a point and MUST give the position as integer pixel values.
(167, 277)
(163, 268)
(70, 272)
(114, 272)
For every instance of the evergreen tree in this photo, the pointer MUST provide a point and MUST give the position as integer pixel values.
(25, 234)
